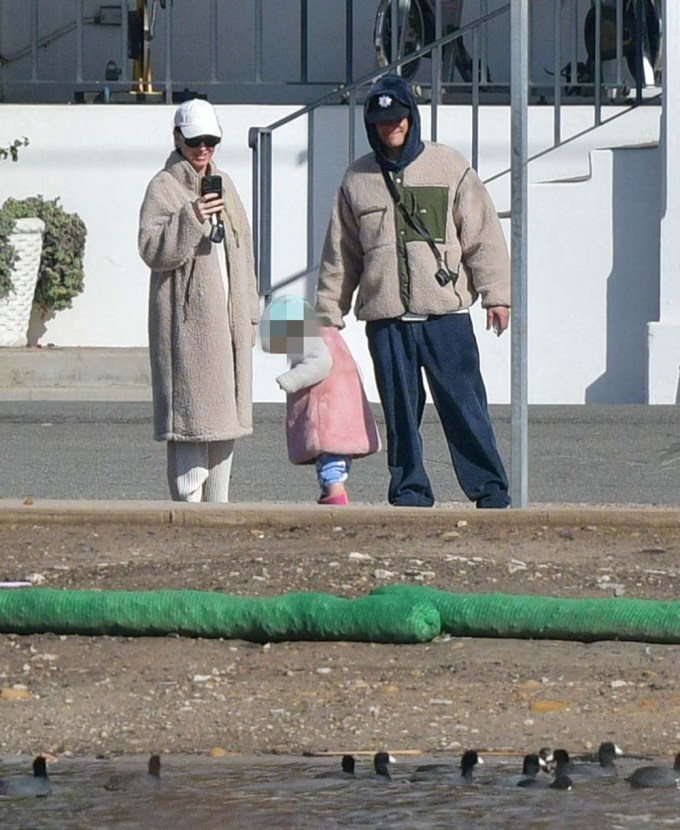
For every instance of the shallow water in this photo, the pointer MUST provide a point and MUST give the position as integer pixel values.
(196, 792)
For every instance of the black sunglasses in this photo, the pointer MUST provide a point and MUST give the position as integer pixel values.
(208, 140)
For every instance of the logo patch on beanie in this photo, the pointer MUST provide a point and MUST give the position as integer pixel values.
(384, 101)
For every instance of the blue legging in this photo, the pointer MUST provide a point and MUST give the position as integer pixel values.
(445, 348)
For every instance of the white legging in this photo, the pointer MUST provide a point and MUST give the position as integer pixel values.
(199, 471)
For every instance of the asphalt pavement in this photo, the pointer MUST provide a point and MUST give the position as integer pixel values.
(578, 455)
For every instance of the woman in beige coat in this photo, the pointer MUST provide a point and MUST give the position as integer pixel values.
(203, 305)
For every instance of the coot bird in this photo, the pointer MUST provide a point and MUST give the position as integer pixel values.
(656, 777)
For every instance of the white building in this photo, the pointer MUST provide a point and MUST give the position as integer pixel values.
(604, 250)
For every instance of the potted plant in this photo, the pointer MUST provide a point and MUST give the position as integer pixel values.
(58, 275)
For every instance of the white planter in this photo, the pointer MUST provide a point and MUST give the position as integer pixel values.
(15, 308)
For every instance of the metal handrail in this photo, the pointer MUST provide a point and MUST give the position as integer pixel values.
(260, 140)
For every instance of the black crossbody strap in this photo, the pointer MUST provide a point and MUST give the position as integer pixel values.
(442, 275)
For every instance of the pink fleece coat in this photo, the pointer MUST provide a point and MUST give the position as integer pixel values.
(333, 415)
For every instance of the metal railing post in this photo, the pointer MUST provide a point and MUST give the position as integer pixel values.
(519, 35)
(349, 41)
(80, 13)
(351, 143)
(260, 142)
(259, 49)
(304, 41)
(124, 62)
(598, 62)
(213, 41)
(639, 52)
(619, 43)
(557, 74)
(436, 78)
(169, 28)
(310, 190)
(34, 40)
(475, 99)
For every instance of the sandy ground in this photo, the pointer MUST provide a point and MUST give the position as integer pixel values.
(118, 695)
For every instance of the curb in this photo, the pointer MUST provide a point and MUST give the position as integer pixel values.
(225, 515)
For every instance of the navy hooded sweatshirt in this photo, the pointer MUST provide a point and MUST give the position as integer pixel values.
(399, 89)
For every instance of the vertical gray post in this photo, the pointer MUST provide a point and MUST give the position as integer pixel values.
(168, 52)
(519, 77)
(34, 40)
(259, 48)
(213, 41)
(304, 42)
(436, 82)
(79, 41)
(349, 41)
(124, 61)
(557, 70)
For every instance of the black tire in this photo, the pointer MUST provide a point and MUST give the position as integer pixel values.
(418, 33)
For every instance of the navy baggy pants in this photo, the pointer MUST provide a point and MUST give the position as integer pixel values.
(444, 347)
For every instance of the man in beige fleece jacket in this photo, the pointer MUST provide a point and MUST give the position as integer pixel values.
(415, 235)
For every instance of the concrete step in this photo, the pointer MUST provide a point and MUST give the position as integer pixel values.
(85, 374)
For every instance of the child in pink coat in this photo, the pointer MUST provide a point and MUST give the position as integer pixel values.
(329, 421)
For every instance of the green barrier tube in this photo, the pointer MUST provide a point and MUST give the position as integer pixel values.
(295, 616)
(554, 618)
(390, 614)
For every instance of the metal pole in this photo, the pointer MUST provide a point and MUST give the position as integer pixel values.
(254, 144)
(124, 61)
(475, 99)
(349, 41)
(311, 186)
(168, 51)
(597, 91)
(557, 74)
(258, 41)
(304, 42)
(519, 51)
(351, 143)
(436, 81)
(265, 261)
(34, 40)
(213, 41)
(639, 52)
(79, 41)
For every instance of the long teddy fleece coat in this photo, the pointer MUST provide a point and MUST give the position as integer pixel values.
(200, 347)
(333, 415)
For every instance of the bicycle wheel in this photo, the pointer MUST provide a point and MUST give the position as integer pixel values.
(411, 34)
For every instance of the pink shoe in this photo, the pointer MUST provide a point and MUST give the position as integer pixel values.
(339, 499)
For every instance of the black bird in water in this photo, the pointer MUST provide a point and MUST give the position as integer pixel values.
(381, 764)
(38, 784)
(562, 770)
(346, 770)
(605, 767)
(655, 777)
(531, 767)
(461, 775)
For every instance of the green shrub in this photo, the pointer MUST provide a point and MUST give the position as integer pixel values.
(12, 150)
(60, 276)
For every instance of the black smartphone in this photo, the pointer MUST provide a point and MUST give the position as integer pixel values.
(211, 184)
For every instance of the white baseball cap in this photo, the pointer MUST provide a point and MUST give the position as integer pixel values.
(197, 117)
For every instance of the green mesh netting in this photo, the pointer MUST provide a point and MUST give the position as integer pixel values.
(555, 618)
(295, 616)
(390, 614)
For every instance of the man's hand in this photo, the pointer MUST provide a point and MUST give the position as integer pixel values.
(497, 318)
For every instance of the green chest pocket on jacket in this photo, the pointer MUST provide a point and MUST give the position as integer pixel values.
(429, 205)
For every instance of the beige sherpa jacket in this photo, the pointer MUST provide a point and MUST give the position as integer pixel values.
(361, 247)
(200, 348)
